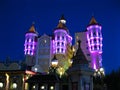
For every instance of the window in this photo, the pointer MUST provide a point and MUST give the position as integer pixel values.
(99, 40)
(58, 50)
(62, 44)
(90, 41)
(95, 47)
(99, 47)
(31, 46)
(91, 48)
(99, 33)
(28, 40)
(31, 40)
(58, 37)
(87, 48)
(58, 43)
(62, 37)
(62, 50)
(94, 34)
(86, 41)
(94, 40)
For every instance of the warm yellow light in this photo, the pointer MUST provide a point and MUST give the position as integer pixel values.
(61, 71)
(101, 70)
(14, 85)
(51, 88)
(34, 86)
(54, 63)
(73, 49)
(42, 87)
(27, 77)
(7, 83)
(1, 84)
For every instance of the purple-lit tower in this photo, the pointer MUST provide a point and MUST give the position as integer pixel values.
(61, 38)
(94, 39)
(30, 46)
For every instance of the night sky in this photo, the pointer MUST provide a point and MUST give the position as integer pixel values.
(16, 17)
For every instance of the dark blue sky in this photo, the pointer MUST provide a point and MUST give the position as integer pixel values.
(16, 17)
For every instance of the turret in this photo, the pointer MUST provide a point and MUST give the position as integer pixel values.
(62, 37)
(94, 38)
(30, 47)
(30, 41)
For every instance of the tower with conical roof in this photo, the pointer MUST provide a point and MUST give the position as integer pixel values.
(94, 38)
(30, 46)
(61, 37)
(80, 74)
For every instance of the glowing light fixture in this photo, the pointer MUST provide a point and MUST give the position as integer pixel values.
(14, 85)
(1, 84)
(51, 87)
(42, 87)
(36, 69)
(34, 87)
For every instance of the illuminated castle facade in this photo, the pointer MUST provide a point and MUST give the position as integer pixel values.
(92, 43)
(40, 50)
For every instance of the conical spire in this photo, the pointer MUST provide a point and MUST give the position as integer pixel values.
(93, 20)
(32, 28)
(62, 24)
(79, 58)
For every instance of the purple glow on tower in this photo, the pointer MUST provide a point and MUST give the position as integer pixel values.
(61, 40)
(94, 38)
(30, 43)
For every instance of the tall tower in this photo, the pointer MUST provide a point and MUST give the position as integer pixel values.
(61, 37)
(94, 38)
(61, 46)
(30, 46)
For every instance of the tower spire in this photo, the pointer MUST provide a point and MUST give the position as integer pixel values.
(62, 24)
(93, 20)
(32, 28)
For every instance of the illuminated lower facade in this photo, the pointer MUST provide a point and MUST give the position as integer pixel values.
(14, 79)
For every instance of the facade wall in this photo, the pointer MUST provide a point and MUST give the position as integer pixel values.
(44, 52)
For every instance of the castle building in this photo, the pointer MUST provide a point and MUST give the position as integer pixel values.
(46, 55)
(40, 50)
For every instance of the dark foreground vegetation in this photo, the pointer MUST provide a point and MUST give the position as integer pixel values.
(110, 81)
